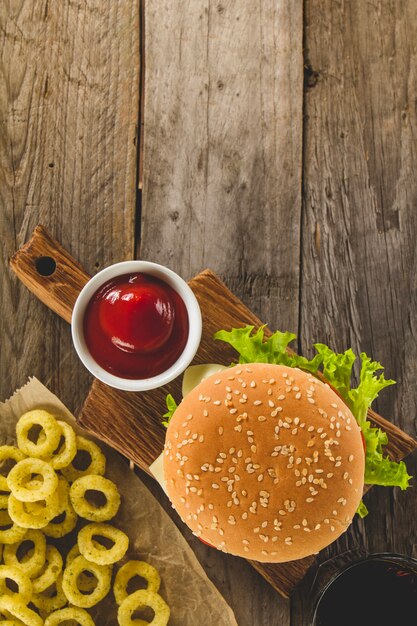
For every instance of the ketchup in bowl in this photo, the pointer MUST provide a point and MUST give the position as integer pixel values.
(136, 326)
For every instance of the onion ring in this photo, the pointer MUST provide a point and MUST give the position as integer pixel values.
(129, 571)
(6, 453)
(33, 490)
(141, 599)
(103, 556)
(4, 501)
(68, 450)
(33, 564)
(51, 571)
(97, 463)
(44, 446)
(37, 518)
(60, 529)
(18, 609)
(21, 579)
(88, 511)
(51, 599)
(85, 582)
(52, 506)
(13, 534)
(72, 613)
(70, 582)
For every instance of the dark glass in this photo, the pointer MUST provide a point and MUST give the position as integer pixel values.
(378, 590)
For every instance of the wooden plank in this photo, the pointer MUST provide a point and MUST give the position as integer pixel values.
(131, 422)
(359, 223)
(222, 177)
(222, 146)
(69, 102)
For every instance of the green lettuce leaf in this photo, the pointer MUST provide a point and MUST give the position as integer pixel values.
(362, 509)
(361, 398)
(337, 368)
(252, 347)
(172, 407)
(379, 469)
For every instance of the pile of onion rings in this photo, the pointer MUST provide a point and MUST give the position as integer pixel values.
(46, 494)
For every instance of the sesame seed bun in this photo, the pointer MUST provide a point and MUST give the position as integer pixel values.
(264, 461)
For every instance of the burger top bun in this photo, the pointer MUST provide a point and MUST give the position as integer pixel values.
(264, 461)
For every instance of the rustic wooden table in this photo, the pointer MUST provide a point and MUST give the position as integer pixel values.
(279, 149)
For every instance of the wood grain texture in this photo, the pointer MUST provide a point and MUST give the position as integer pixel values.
(69, 100)
(222, 146)
(131, 422)
(58, 289)
(222, 178)
(359, 227)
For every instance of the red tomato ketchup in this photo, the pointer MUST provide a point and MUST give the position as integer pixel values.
(136, 326)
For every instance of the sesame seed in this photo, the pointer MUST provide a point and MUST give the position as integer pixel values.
(257, 402)
(350, 459)
(217, 402)
(215, 485)
(217, 382)
(309, 499)
(271, 403)
(298, 395)
(232, 411)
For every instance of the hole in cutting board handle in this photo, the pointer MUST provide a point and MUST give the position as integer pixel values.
(45, 265)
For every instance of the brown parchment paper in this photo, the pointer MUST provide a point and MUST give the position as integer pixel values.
(193, 598)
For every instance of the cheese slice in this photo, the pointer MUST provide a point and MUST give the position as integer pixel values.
(195, 374)
(157, 470)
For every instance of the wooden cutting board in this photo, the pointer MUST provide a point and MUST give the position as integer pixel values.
(131, 422)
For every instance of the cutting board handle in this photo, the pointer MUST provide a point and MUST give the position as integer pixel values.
(49, 272)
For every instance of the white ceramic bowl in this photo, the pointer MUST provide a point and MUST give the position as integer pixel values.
(174, 281)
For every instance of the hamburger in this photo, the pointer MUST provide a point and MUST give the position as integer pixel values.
(267, 460)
